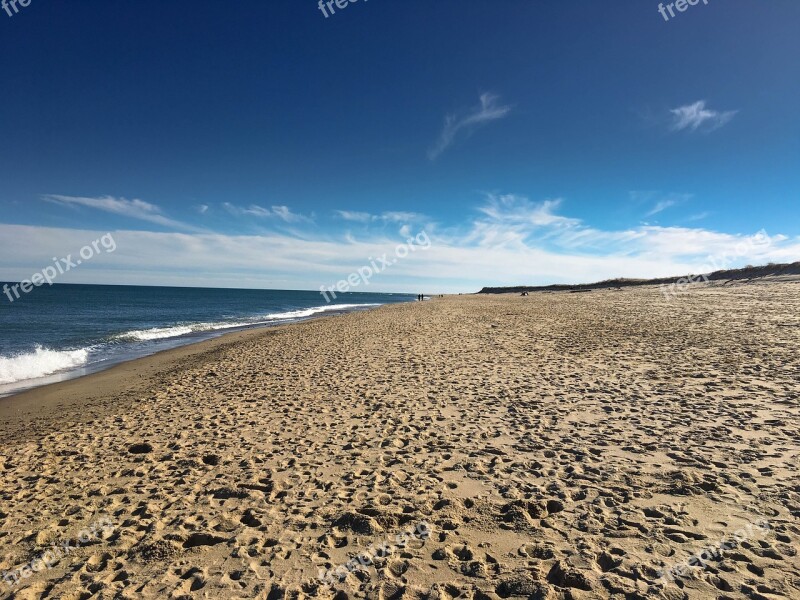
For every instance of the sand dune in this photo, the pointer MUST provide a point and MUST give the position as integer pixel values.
(560, 446)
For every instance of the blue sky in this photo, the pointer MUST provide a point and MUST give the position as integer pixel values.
(261, 144)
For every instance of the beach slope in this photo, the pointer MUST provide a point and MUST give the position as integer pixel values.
(610, 444)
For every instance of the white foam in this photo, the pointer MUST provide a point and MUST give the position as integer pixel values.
(160, 333)
(307, 312)
(39, 363)
(156, 333)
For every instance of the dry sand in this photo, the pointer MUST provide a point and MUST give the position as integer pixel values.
(558, 446)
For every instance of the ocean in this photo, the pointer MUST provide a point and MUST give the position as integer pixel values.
(60, 332)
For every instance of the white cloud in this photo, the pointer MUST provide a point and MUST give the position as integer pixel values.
(400, 216)
(360, 217)
(509, 220)
(282, 213)
(697, 117)
(659, 201)
(514, 222)
(511, 240)
(135, 209)
(465, 124)
(280, 261)
(660, 206)
(511, 208)
(385, 217)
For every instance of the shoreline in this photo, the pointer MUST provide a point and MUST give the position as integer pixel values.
(134, 375)
(174, 343)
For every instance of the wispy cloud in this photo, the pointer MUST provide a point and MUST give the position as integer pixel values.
(659, 251)
(660, 206)
(464, 124)
(514, 221)
(515, 209)
(283, 213)
(658, 201)
(280, 212)
(135, 209)
(359, 217)
(698, 117)
(385, 217)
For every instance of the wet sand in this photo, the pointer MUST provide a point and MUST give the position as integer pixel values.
(551, 446)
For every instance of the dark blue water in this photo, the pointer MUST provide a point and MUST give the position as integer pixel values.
(63, 331)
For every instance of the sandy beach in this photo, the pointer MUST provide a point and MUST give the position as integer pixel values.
(610, 444)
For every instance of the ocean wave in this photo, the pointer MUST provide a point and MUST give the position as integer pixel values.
(160, 333)
(156, 333)
(40, 362)
(307, 312)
